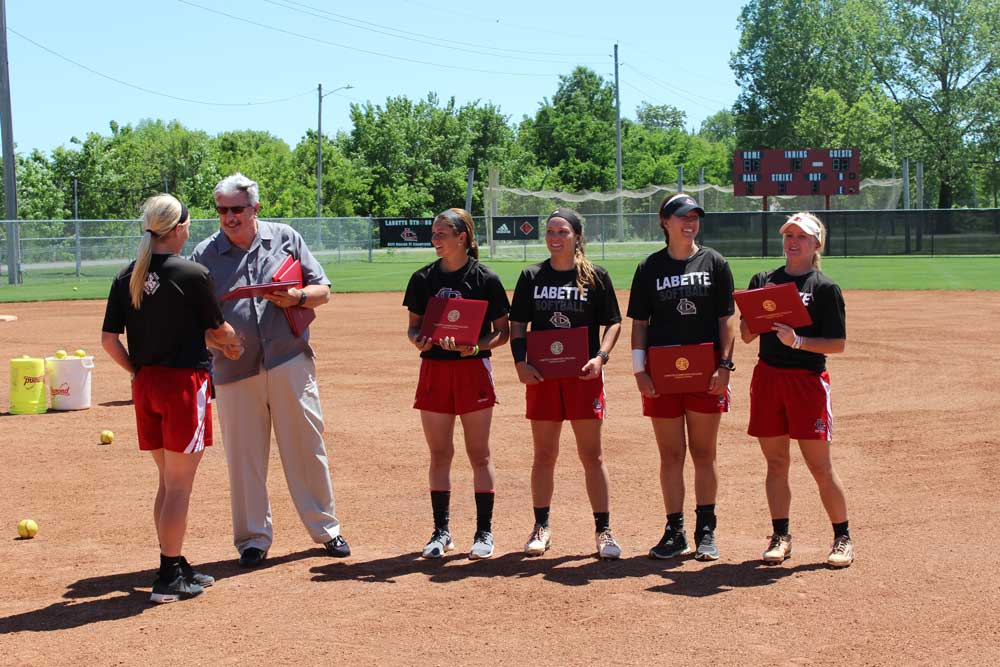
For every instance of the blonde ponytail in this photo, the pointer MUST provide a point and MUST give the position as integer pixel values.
(160, 214)
(586, 275)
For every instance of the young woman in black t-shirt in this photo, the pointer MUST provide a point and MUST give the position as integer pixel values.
(457, 381)
(790, 389)
(683, 295)
(563, 292)
(166, 305)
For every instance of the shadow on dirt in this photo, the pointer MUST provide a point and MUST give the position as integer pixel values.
(569, 570)
(132, 599)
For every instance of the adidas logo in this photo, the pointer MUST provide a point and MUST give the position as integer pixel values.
(503, 229)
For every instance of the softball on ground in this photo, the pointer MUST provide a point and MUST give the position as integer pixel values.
(27, 528)
(60, 354)
(107, 437)
(80, 353)
(75, 288)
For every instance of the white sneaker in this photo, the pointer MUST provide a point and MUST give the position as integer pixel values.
(607, 546)
(482, 545)
(439, 544)
(539, 541)
(841, 553)
(779, 549)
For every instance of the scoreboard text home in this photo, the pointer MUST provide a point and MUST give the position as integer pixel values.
(816, 171)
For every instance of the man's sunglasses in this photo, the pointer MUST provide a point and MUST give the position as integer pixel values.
(236, 210)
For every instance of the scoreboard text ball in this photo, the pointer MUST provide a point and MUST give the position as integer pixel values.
(816, 171)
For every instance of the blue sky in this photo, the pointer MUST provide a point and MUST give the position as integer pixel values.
(231, 61)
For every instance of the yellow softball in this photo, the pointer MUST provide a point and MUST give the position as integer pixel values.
(107, 437)
(27, 528)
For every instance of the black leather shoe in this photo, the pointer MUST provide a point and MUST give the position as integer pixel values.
(252, 557)
(338, 547)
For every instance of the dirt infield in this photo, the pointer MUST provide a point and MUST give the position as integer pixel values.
(915, 399)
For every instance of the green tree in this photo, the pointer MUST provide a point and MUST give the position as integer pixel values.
(573, 136)
(786, 48)
(939, 60)
(660, 116)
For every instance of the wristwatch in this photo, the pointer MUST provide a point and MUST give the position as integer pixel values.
(603, 355)
(727, 364)
(302, 297)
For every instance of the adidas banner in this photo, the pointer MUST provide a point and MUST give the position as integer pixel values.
(405, 232)
(515, 228)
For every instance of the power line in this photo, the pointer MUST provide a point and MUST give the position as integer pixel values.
(148, 90)
(356, 49)
(431, 40)
(690, 97)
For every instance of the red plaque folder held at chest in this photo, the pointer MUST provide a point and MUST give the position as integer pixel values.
(764, 306)
(299, 318)
(248, 291)
(559, 353)
(677, 369)
(461, 319)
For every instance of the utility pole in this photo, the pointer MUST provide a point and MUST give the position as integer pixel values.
(319, 144)
(9, 166)
(618, 152)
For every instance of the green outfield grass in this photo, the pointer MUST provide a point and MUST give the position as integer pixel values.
(966, 272)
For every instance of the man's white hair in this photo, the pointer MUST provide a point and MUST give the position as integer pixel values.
(237, 183)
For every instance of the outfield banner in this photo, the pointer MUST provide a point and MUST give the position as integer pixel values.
(515, 228)
(405, 232)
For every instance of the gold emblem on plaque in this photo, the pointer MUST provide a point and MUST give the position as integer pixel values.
(769, 305)
(682, 363)
(556, 347)
(453, 315)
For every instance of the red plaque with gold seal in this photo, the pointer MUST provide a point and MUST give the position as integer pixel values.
(764, 306)
(678, 369)
(559, 353)
(461, 319)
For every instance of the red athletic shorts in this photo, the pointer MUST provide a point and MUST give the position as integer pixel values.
(173, 409)
(454, 387)
(790, 401)
(565, 398)
(671, 406)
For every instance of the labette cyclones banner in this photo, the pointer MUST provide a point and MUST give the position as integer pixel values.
(405, 232)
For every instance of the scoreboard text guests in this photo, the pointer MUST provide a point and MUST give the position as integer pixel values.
(815, 171)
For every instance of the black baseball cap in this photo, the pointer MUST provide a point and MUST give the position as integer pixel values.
(680, 204)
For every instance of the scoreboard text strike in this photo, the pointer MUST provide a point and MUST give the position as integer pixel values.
(816, 171)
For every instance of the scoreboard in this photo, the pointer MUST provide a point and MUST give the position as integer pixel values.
(814, 171)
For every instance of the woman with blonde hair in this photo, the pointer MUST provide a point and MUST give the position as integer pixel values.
(566, 291)
(790, 389)
(166, 307)
(456, 381)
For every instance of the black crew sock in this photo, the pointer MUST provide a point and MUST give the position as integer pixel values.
(440, 500)
(542, 516)
(602, 521)
(704, 518)
(484, 511)
(675, 521)
(169, 567)
(840, 529)
(780, 526)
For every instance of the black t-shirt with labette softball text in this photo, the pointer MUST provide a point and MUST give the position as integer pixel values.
(550, 299)
(178, 305)
(682, 299)
(824, 301)
(472, 281)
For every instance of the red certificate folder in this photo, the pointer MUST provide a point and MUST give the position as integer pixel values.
(559, 353)
(764, 306)
(461, 319)
(677, 369)
(298, 317)
(247, 291)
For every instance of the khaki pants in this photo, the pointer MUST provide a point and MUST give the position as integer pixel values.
(287, 398)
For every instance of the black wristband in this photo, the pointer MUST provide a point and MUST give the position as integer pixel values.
(519, 348)
(302, 297)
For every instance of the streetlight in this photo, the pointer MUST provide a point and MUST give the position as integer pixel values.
(319, 144)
